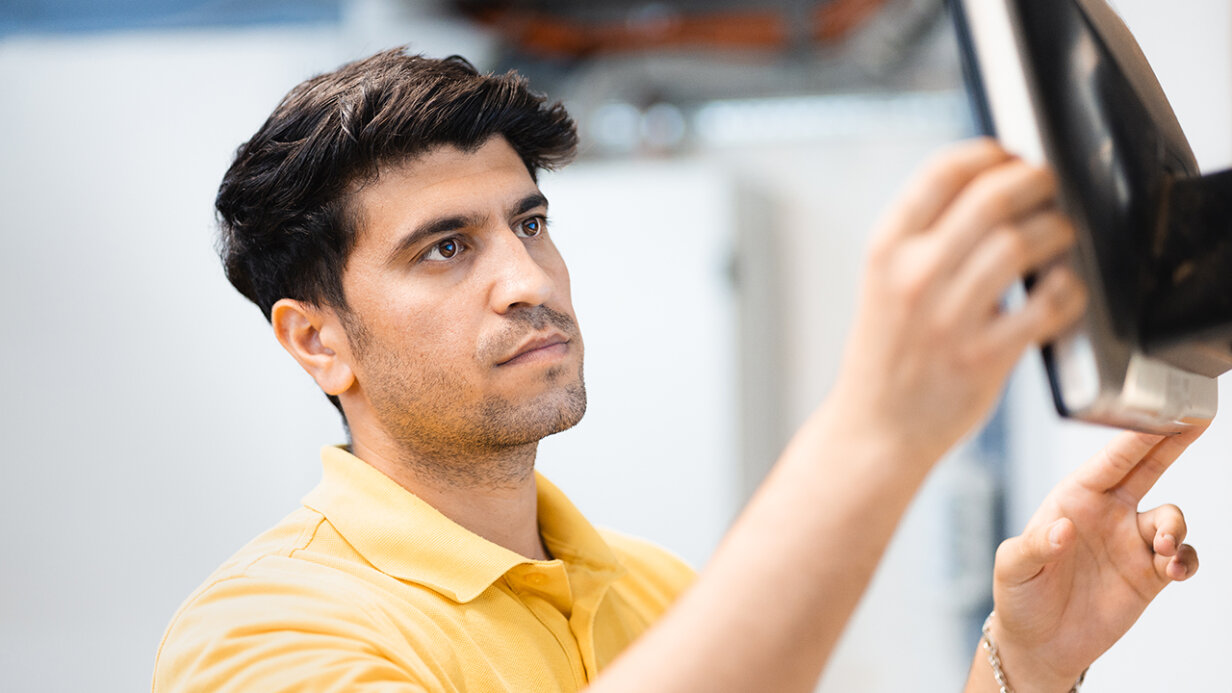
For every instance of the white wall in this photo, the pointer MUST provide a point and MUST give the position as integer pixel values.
(828, 192)
(153, 425)
(1188, 45)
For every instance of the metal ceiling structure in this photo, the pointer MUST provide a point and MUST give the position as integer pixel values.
(651, 66)
(692, 50)
(553, 28)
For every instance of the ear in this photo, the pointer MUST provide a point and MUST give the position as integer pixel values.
(316, 339)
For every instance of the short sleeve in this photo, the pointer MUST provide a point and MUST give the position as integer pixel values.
(260, 635)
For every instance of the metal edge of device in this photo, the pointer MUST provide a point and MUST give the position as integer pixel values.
(1094, 375)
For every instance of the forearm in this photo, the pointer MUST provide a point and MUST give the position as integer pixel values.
(927, 357)
(769, 608)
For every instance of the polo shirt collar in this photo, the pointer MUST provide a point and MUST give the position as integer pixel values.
(403, 536)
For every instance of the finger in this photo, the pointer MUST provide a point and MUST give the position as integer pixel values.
(1021, 558)
(1143, 476)
(999, 195)
(1055, 302)
(1183, 565)
(1116, 460)
(1163, 529)
(935, 186)
(1003, 258)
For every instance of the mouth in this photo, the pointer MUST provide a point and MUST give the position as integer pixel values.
(548, 347)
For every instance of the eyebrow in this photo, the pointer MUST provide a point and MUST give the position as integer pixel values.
(530, 202)
(443, 225)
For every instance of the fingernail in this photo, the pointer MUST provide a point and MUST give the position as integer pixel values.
(1171, 540)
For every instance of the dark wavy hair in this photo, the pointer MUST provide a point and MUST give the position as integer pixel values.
(284, 206)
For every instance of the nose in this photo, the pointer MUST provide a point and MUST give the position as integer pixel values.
(518, 280)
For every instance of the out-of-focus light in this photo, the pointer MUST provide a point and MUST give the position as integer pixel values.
(663, 127)
(803, 118)
(615, 127)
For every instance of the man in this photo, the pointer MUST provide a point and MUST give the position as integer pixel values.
(387, 222)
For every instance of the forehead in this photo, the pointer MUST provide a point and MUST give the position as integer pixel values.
(444, 181)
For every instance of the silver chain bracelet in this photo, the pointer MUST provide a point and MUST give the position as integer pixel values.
(994, 660)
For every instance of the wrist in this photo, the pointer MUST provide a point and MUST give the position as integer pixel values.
(913, 426)
(1015, 670)
(865, 436)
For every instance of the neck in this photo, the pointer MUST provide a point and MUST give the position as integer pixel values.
(490, 492)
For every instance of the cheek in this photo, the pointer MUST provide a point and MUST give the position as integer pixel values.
(442, 336)
(413, 330)
(554, 265)
(565, 290)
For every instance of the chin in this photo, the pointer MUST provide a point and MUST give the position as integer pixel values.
(557, 411)
(505, 422)
(570, 411)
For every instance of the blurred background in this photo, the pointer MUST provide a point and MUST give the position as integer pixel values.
(734, 155)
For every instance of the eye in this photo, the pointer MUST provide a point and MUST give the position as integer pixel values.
(533, 226)
(444, 250)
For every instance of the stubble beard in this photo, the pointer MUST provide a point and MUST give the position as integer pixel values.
(443, 438)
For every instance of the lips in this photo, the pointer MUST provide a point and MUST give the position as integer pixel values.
(539, 346)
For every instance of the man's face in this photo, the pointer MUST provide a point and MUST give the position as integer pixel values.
(461, 327)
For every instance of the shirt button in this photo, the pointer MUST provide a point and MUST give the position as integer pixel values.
(536, 579)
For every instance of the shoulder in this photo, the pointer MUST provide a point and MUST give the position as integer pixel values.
(270, 557)
(654, 573)
(267, 608)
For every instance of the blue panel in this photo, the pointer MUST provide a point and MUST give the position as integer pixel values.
(58, 16)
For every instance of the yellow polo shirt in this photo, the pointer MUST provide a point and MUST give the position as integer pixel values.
(366, 588)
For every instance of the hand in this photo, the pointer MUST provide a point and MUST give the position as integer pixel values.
(931, 347)
(1088, 563)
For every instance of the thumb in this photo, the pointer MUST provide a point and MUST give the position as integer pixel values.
(1021, 558)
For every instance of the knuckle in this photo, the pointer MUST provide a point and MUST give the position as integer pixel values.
(943, 327)
(1052, 233)
(909, 285)
(1063, 228)
(1042, 177)
(972, 356)
(946, 175)
(1058, 301)
(996, 203)
(1118, 460)
(1010, 247)
(953, 166)
(949, 158)
(910, 276)
(980, 149)
(966, 359)
(1005, 552)
(1175, 516)
(881, 249)
(1002, 191)
(1155, 466)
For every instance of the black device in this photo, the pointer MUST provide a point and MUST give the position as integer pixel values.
(1064, 83)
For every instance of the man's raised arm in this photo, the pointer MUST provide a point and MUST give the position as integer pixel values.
(930, 350)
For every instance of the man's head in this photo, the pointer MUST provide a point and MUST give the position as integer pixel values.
(286, 202)
(386, 220)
